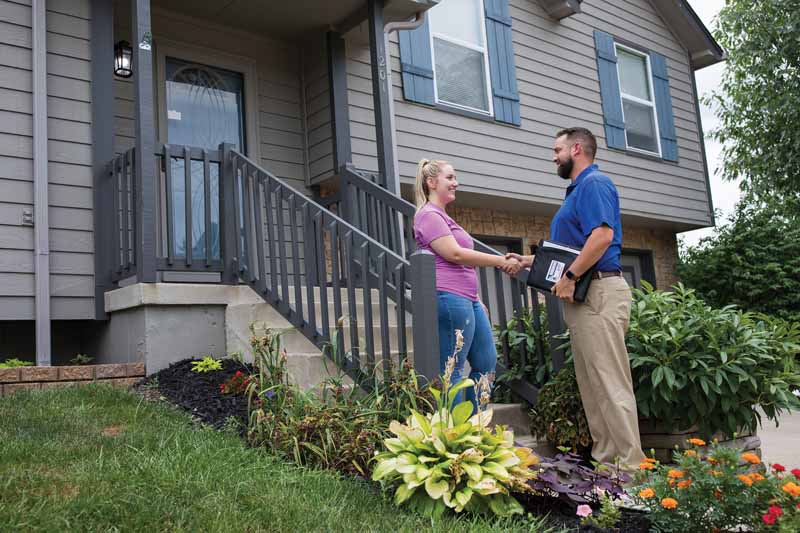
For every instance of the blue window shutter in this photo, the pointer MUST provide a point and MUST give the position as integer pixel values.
(609, 90)
(416, 64)
(666, 119)
(501, 62)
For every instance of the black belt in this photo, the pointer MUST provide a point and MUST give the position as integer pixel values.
(611, 274)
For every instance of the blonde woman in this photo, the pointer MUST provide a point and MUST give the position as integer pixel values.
(459, 305)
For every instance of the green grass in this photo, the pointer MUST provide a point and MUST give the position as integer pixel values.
(98, 459)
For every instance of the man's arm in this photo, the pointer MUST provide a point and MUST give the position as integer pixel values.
(596, 245)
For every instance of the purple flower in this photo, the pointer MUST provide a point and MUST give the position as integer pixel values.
(270, 393)
(583, 511)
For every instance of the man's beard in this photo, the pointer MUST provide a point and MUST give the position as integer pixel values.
(565, 169)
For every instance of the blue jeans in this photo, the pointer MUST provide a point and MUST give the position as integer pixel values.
(457, 312)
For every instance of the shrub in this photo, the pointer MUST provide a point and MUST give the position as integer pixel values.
(522, 333)
(450, 459)
(559, 415)
(696, 365)
(712, 493)
(14, 363)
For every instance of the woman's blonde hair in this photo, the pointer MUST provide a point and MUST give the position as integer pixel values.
(427, 168)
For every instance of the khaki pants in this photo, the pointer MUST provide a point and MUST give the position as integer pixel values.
(597, 333)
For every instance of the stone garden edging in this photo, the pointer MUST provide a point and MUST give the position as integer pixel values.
(121, 375)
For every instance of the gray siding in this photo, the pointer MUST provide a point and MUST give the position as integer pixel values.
(558, 85)
(317, 95)
(69, 168)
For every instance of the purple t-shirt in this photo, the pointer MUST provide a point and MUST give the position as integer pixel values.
(430, 223)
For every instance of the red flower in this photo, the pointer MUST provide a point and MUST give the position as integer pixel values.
(778, 467)
(796, 473)
(769, 519)
(775, 511)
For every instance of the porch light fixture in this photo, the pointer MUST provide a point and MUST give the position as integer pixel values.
(123, 59)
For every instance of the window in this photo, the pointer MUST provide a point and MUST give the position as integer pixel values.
(460, 59)
(638, 102)
(637, 265)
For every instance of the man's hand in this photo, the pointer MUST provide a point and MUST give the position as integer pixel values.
(564, 289)
(526, 260)
(510, 265)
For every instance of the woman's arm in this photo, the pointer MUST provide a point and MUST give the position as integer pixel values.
(448, 248)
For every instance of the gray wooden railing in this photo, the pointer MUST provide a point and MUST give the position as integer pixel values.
(389, 219)
(122, 174)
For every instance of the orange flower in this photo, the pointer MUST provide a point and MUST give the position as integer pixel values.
(669, 503)
(644, 465)
(675, 474)
(671, 482)
(690, 453)
(751, 458)
(647, 493)
(718, 494)
(711, 460)
(755, 476)
(684, 484)
(745, 479)
(697, 442)
(650, 460)
(791, 488)
(716, 473)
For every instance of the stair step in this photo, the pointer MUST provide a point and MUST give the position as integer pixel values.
(514, 416)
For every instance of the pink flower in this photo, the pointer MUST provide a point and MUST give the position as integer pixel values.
(583, 511)
(775, 511)
(769, 519)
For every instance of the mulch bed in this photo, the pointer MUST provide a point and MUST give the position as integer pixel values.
(199, 394)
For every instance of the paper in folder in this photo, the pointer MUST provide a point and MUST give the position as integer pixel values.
(551, 262)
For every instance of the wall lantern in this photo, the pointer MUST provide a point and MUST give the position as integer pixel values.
(123, 59)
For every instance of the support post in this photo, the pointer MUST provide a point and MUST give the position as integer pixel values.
(556, 326)
(103, 146)
(227, 177)
(340, 116)
(425, 312)
(381, 95)
(144, 130)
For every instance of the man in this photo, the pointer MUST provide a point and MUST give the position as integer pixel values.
(589, 218)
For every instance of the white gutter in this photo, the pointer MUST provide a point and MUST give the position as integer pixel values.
(40, 197)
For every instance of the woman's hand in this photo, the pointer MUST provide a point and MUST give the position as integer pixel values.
(510, 265)
(525, 260)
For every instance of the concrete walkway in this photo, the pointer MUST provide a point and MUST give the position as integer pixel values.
(781, 444)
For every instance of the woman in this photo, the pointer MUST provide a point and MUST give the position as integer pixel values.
(460, 307)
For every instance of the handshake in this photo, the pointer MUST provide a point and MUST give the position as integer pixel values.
(513, 263)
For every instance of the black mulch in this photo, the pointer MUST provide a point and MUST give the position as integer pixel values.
(199, 392)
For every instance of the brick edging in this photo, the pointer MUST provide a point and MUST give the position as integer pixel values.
(51, 377)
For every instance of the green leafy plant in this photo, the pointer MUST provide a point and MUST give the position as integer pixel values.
(697, 365)
(15, 363)
(206, 364)
(558, 416)
(525, 337)
(81, 359)
(450, 458)
(708, 490)
(608, 517)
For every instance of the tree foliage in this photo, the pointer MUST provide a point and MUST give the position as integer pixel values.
(758, 101)
(753, 262)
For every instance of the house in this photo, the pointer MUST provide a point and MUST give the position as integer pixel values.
(296, 127)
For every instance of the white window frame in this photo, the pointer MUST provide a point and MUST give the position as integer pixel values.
(484, 50)
(651, 104)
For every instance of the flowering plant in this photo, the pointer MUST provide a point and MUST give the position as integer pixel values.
(236, 385)
(716, 489)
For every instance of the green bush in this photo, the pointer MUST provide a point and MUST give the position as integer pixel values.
(15, 363)
(558, 415)
(522, 333)
(696, 364)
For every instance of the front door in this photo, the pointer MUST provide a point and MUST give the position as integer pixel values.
(204, 108)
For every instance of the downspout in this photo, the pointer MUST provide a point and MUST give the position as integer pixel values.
(40, 197)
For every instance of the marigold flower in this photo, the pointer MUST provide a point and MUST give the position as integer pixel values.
(697, 442)
(778, 467)
(646, 466)
(774, 510)
(751, 458)
(711, 460)
(745, 479)
(671, 482)
(755, 476)
(684, 484)
(675, 474)
(769, 519)
(650, 460)
(669, 503)
(791, 488)
(647, 493)
(716, 473)
(690, 453)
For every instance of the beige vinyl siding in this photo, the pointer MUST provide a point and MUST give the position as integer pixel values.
(558, 85)
(69, 166)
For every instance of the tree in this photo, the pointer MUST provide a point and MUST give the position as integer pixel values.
(753, 262)
(758, 101)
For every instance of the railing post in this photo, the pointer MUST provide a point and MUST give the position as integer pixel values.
(556, 326)
(425, 311)
(229, 223)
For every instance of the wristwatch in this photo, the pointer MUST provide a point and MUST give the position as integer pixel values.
(571, 275)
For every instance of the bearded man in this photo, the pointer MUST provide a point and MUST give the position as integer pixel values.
(589, 219)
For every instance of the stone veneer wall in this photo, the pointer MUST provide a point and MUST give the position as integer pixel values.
(531, 229)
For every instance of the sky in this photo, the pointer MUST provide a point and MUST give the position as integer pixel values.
(724, 194)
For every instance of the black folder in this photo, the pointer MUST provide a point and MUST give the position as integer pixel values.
(551, 262)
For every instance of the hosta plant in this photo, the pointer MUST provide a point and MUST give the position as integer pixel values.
(451, 459)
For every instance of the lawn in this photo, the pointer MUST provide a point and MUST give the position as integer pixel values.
(96, 458)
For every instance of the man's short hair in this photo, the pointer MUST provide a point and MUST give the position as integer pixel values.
(583, 136)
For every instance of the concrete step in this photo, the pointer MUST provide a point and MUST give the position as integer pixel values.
(512, 415)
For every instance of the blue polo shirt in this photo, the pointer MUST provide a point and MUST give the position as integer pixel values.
(592, 201)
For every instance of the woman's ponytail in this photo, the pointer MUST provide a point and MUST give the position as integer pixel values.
(426, 168)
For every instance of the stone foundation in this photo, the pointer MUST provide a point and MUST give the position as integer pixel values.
(52, 377)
